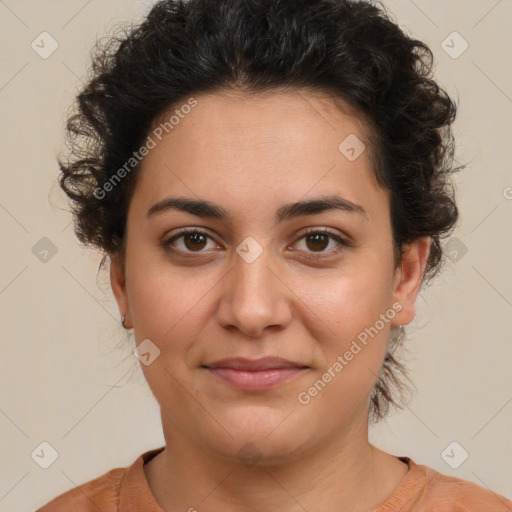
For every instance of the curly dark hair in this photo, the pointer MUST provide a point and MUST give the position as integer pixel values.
(351, 49)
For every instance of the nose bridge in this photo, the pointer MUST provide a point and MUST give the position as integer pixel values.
(252, 278)
(254, 297)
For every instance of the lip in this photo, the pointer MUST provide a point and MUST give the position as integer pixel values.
(255, 374)
(264, 363)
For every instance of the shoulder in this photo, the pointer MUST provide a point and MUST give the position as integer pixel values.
(451, 494)
(424, 489)
(102, 493)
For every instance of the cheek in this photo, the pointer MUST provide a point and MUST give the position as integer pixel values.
(346, 302)
(353, 339)
(174, 309)
(161, 296)
(351, 333)
(170, 311)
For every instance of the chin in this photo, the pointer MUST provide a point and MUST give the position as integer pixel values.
(260, 436)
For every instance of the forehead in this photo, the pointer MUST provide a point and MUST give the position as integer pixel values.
(296, 117)
(268, 145)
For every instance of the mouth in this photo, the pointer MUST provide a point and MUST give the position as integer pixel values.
(255, 374)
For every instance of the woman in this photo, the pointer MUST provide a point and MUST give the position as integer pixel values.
(270, 181)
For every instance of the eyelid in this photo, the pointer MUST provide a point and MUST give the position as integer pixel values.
(343, 241)
(166, 242)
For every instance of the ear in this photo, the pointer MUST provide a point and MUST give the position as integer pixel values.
(118, 283)
(408, 278)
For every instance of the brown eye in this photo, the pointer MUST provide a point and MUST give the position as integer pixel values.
(317, 241)
(194, 241)
(188, 242)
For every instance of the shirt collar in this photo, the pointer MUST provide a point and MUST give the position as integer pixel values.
(135, 494)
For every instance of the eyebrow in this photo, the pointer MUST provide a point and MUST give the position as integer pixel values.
(207, 209)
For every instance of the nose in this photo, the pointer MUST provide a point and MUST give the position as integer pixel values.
(254, 297)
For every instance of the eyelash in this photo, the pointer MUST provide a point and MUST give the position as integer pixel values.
(312, 231)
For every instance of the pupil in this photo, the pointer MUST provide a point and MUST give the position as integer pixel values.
(196, 238)
(317, 237)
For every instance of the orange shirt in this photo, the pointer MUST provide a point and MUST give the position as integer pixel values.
(423, 489)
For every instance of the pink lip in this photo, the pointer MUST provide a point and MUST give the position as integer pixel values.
(255, 374)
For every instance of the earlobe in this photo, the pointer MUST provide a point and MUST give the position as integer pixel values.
(409, 277)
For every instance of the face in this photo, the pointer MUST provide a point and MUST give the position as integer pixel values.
(260, 274)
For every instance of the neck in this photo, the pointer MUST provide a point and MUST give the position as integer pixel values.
(342, 473)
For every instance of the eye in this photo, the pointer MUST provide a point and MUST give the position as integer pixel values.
(317, 240)
(195, 240)
(192, 240)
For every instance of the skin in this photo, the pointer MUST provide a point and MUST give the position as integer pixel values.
(250, 155)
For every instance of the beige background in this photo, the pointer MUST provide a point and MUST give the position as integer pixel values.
(64, 382)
